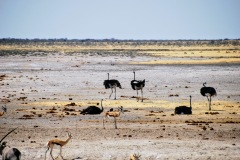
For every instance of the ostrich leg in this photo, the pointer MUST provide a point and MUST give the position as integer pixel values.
(115, 122)
(208, 103)
(111, 93)
(137, 95)
(115, 92)
(210, 100)
(142, 94)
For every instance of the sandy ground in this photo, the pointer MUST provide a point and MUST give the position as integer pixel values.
(44, 95)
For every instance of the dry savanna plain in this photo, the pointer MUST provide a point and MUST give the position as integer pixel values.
(45, 84)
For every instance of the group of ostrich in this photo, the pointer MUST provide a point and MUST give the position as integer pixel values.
(208, 92)
(9, 153)
(113, 84)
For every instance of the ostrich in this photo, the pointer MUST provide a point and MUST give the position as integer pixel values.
(93, 110)
(9, 152)
(184, 109)
(138, 85)
(111, 83)
(208, 92)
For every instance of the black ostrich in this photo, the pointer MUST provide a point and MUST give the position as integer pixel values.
(112, 83)
(138, 85)
(184, 109)
(208, 92)
(93, 110)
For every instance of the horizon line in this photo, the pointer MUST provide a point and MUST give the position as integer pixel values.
(115, 39)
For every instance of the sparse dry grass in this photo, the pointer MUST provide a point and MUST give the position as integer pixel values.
(171, 48)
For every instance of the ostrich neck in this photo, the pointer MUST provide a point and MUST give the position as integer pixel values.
(101, 106)
(108, 76)
(134, 75)
(190, 102)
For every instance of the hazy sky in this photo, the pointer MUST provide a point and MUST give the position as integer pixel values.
(120, 19)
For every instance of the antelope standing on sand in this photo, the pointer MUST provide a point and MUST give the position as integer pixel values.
(57, 142)
(9, 153)
(113, 114)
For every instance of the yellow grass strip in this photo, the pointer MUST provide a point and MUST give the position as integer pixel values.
(190, 61)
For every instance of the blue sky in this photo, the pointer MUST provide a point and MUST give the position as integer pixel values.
(120, 19)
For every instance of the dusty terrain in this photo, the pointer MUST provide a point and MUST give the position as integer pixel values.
(45, 91)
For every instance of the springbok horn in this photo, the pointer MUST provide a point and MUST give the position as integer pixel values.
(8, 134)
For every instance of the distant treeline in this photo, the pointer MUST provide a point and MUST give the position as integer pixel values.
(234, 42)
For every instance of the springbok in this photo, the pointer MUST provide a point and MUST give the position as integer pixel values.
(113, 114)
(58, 142)
(9, 153)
